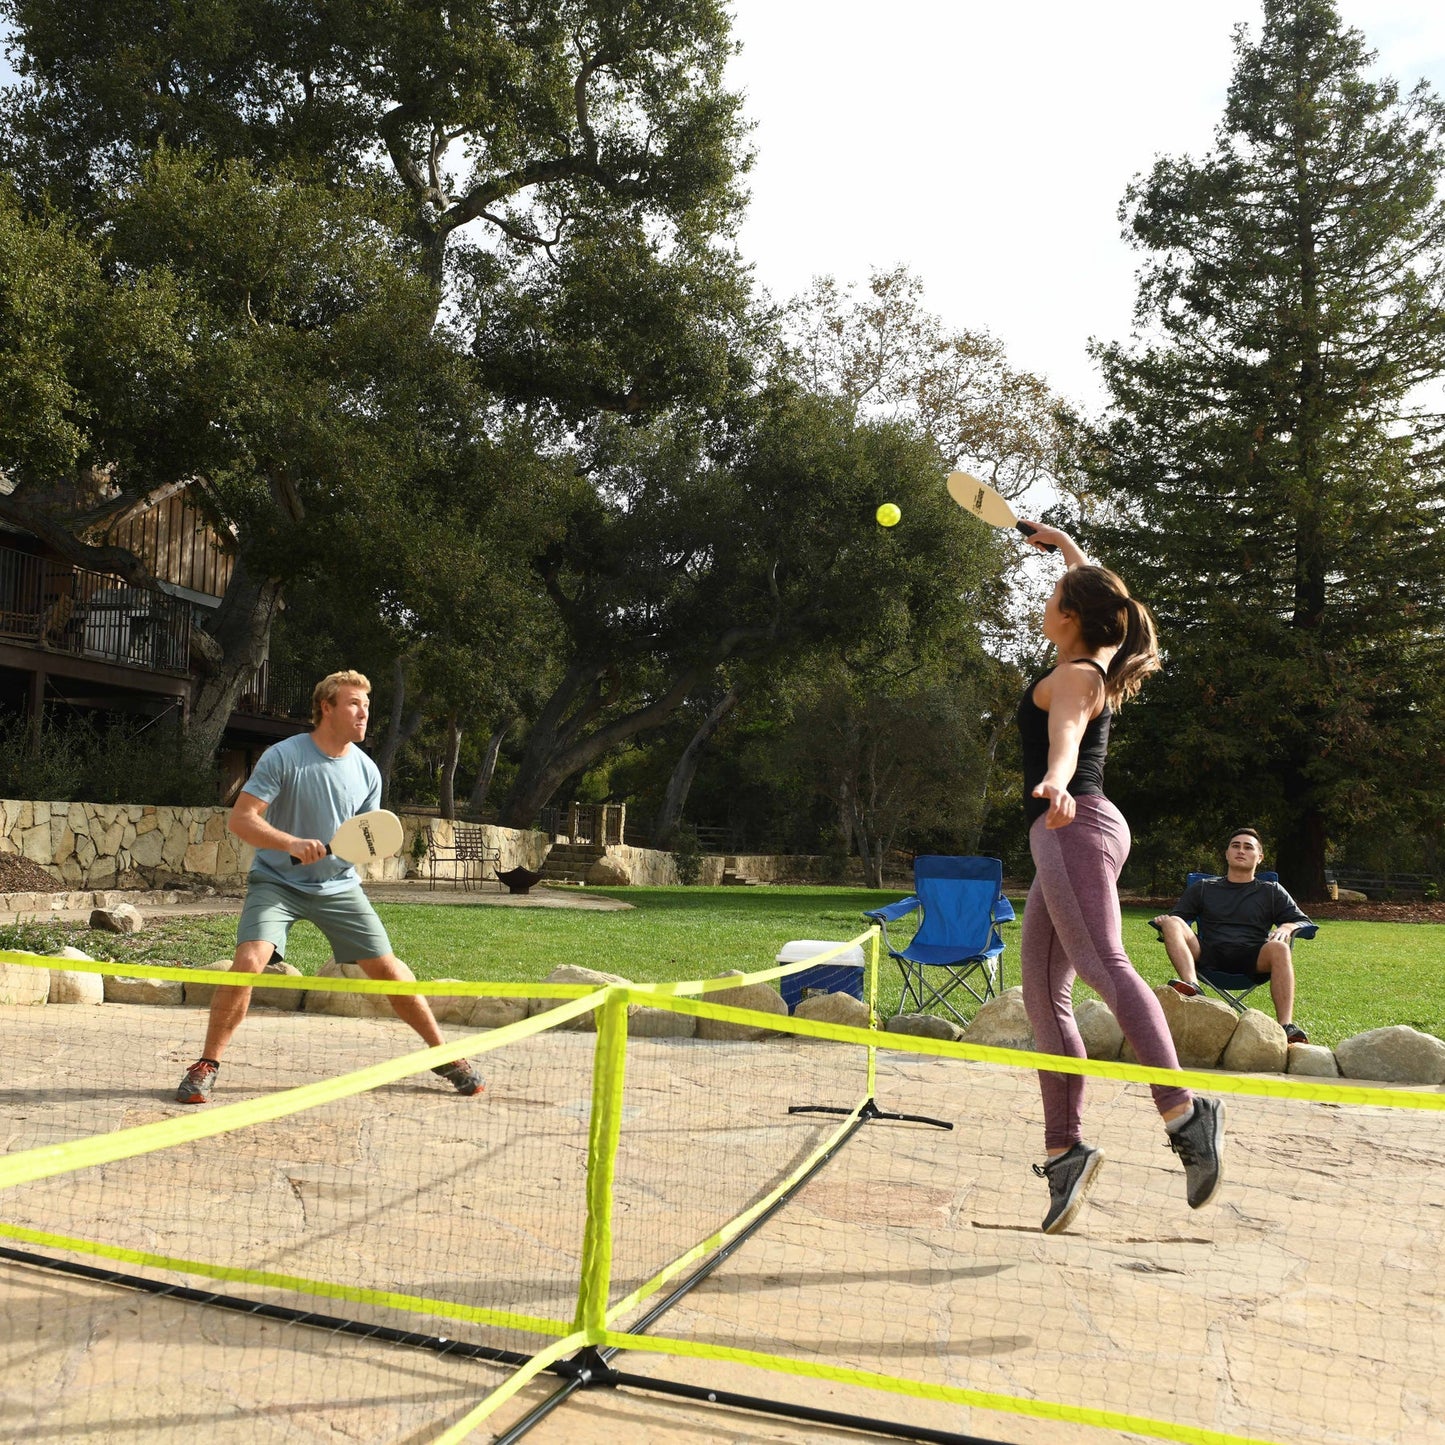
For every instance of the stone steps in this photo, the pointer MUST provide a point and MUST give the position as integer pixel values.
(734, 877)
(569, 862)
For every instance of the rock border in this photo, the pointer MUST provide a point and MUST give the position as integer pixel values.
(1207, 1034)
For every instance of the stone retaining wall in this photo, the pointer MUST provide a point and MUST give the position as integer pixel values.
(76, 901)
(137, 845)
(125, 845)
(781, 868)
(516, 847)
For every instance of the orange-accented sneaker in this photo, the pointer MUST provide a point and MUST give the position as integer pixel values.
(200, 1079)
(462, 1077)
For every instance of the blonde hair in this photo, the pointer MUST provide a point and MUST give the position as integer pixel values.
(1110, 617)
(325, 691)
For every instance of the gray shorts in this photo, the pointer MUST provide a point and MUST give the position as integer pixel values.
(346, 918)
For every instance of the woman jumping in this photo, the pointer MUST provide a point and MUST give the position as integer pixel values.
(1106, 646)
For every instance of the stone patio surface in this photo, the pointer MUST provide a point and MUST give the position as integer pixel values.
(1303, 1306)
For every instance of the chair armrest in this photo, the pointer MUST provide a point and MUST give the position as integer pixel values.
(1187, 922)
(1304, 930)
(893, 912)
(1003, 911)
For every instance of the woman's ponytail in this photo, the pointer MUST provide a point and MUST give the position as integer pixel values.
(1137, 658)
(1110, 617)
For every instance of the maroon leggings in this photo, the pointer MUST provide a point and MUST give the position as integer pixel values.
(1072, 926)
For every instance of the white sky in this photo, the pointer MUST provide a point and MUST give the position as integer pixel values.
(987, 146)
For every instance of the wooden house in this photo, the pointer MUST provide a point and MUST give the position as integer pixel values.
(71, 638)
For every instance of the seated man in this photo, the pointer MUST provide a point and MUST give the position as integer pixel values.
(1244, 929)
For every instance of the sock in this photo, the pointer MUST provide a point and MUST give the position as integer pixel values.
(1175, 1125)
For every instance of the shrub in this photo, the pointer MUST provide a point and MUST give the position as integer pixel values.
(78, 760)
(687, 854)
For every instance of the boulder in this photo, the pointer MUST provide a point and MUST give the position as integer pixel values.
(608, 872)
(1394, 1055)
(760, 997)
(496, 1013)
(121, 918)
(660, 1023)
(69, 986)
(1103, 1038)
(835, 1008)
(346, 1005)
(575, 973)
(1257, 1045)
(1313, 1059)
(452, 1008)
(201, 994)
(287, 1000)
(924, 1026)
(1200, 1027)
(1002, 1023)
(169, 992)
(21, 984)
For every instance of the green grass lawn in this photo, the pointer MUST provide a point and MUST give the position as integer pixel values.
(1352, 976)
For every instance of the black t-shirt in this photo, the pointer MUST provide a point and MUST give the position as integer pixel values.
(1236, 914)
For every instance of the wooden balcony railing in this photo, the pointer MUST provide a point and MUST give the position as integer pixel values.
(59, 608)
(276, 690)
(585, 822)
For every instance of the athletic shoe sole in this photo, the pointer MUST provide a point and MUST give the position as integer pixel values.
(1076, 1199)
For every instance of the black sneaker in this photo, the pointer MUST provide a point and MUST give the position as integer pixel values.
(1200, 1147)
(1294, 1034)
(462, 1077)
(1069, 1176)
(200, 1079)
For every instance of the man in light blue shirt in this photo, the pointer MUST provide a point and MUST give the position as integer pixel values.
(301, 791)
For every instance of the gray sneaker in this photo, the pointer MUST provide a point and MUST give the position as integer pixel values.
(1069, 1176)
(462, 1076)
(1200, 1147)
(200, 1079)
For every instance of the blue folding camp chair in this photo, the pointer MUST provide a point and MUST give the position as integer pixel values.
(1234, 988)
(957, 945)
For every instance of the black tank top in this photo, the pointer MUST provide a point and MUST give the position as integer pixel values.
(1033, 723)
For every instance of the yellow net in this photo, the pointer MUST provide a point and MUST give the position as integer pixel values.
(339, 1237)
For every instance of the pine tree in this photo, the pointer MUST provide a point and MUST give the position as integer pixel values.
(1271, 462)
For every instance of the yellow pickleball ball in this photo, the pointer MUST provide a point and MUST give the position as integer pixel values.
(889, 515)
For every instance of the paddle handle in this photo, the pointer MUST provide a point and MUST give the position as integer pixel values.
(1028, 531)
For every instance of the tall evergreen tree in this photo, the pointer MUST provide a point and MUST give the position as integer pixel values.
(1271, 464)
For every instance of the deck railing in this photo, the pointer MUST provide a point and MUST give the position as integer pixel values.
(276, 690)
(602, 823)
(53, 606)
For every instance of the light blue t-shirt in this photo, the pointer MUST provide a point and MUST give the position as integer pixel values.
(310, 794)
